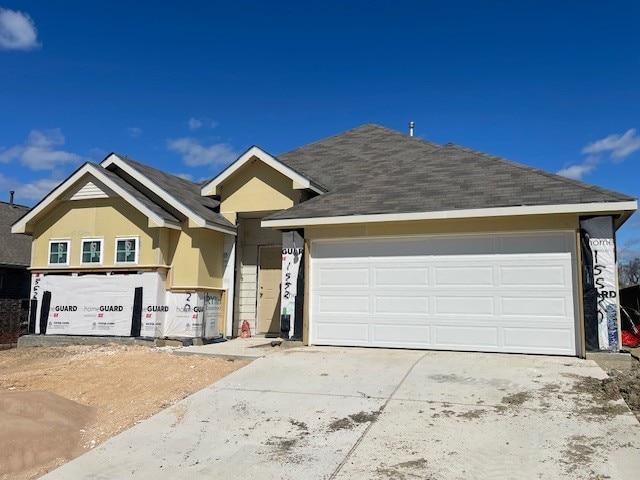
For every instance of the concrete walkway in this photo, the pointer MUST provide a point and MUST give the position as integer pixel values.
(348, 413)
(238, 348)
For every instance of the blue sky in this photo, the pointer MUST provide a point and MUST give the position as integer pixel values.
(185, 86)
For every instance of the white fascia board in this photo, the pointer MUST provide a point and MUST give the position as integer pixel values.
(218, 228)
(299, 181)
(154, 219)
(584, 208)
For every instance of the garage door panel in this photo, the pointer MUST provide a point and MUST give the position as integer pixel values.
(408, 334)
(464, 305)
(533, 275)
(346, 303)
(464, 276)
(401, 304)
(538, 339)
(344, 332)
(341, 277)
(410, 275)
(535, 307)
(466, 335)
(500, 293)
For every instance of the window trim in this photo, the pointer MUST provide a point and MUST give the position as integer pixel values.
(59, 240)
(136, 238)
(91, 239)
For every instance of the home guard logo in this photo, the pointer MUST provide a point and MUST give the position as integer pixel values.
(111, 308)
(157, 308)
(66, 308)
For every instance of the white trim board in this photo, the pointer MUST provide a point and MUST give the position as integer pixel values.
(299, 181)
(89, 169)
(583, 208)
(194, 219)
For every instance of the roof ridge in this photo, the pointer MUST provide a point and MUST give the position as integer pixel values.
(554, 176)
(16, 205)
(369, 124)
(406, 137)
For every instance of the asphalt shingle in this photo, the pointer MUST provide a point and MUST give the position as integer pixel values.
(186, 192)
(374, 170)
(15, 250)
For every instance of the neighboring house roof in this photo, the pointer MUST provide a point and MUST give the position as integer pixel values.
(372, 170)
(177, 195)
(15, 250)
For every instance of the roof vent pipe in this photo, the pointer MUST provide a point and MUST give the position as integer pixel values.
(11, 193)
(411, 125)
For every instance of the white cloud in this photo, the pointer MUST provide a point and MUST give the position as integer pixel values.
(39, 152)
(134, 132)
(195, 154)
(17, 31)
(196, 123)
(32, 191)
(185, 176)
(577, 172)
(620, 146)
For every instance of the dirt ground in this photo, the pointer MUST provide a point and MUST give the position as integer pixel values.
(58, 402)
(624, 381)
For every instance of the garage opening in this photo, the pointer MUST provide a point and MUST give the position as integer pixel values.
(491, 293)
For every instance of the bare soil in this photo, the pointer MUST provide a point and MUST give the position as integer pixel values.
(58, 402)
(623, 381)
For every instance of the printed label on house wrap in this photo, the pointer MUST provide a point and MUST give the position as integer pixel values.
(291, 258)
(604, 273)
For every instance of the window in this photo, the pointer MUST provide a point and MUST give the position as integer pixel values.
(126, 250)
(59, 252)
(92, 251)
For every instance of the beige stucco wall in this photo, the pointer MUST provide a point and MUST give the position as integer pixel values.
(96, 218)
(447, 226)
(256, 187)
(195, 256)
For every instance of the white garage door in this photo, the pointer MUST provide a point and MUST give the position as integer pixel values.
(498, 293)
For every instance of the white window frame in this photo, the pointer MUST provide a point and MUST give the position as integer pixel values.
(115, 250)
(85, 240)
(59, 240)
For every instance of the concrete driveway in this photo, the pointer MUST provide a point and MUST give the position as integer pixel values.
(348, 413)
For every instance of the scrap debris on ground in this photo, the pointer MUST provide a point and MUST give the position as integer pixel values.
(58, 402)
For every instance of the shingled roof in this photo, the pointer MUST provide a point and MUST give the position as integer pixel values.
(138, 195)
(15, 250)
(184, 191)
(373, 170)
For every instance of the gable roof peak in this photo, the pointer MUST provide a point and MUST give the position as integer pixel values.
(299, 180)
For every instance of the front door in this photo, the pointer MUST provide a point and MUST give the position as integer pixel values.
(269, 278)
